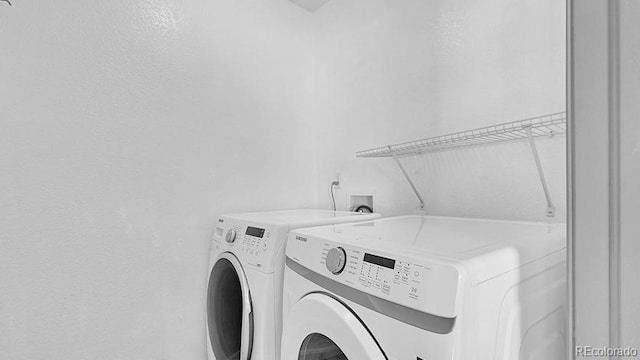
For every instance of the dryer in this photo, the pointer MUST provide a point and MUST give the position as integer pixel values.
(245, 279)
(424, 287)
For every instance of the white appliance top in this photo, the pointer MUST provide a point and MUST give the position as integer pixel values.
(476, 242)
(302, 218)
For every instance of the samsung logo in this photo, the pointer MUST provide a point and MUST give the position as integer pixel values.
(303, 239)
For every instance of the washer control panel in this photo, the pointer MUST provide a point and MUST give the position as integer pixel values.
(254, 244)
(428, 285)
(336, 260)
(255, 240)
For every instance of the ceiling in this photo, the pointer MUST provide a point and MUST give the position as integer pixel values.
(311, 5)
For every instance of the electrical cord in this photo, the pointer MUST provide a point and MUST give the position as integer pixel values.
(333, 199)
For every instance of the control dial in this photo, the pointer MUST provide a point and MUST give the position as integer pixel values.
(231, 236)
(336, 259)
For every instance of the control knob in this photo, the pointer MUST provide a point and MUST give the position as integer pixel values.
(231, 236)
(336, 260)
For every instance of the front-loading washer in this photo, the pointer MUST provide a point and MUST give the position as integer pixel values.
(423, 287)
(244, 295)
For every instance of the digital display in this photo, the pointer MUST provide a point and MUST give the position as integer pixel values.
(254, 231)
(379, 260)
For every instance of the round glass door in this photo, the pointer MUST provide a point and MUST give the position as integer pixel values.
(319, 347)
(229, 316)
(318, 327)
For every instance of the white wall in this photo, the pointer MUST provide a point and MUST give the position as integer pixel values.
(392, 71)
(126, 127)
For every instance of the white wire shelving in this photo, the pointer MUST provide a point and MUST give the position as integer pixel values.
(525, 129)
(546, 125)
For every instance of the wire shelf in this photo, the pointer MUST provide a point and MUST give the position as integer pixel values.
(546, 125)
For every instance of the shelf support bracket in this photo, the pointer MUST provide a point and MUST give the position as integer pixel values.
(406, 176)
(551, 209)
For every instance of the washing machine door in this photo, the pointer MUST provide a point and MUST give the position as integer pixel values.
(321, 328)
(229, 310)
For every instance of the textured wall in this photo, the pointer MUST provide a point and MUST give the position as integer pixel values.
(392, 71)
(126, 127)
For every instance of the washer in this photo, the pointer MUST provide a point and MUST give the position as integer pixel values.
(244, 296)
(429, 288)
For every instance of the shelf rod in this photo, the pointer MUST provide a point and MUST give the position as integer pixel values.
(406, 176)
(551, 209)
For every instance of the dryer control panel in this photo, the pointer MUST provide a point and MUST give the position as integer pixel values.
(428, 285)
